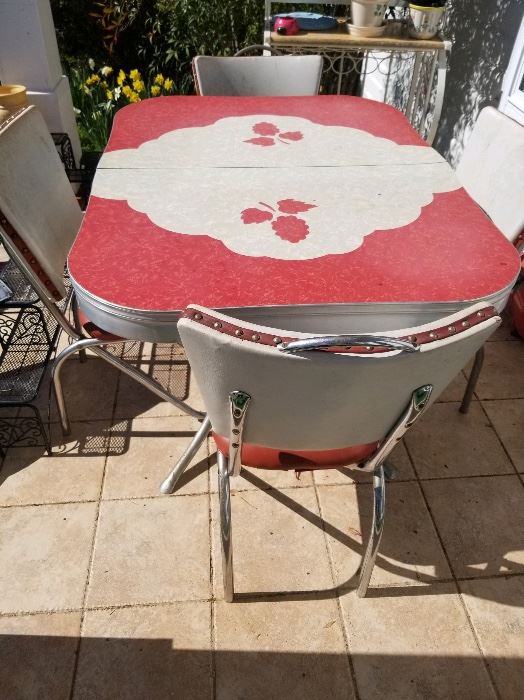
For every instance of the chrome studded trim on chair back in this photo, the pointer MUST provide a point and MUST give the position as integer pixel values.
(282, 341)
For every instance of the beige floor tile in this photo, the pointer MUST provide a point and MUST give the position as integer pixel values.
(399, 459)
(135, 400)
(37, 655)
(151, 550)
(44, 556)
(281, 649)
(410, 553)
(73, 473)
(414, 647)
(502, 376)
(508, 420)
(446, 442)
(168, 365)
(151, 652)
(278, 542)
(496, 609)
(480, 521)
(155, 444)
(455, 390)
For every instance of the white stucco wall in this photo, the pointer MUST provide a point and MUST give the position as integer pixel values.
(483, 33)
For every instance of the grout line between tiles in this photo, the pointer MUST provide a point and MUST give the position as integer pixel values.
(263, 596)
(351, 666)
(501, 441)
(212, 620)
(92, 555)
(457, 587)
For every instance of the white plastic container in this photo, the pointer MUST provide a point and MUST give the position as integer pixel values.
(367, 13)
(366, 31)
(424, 21)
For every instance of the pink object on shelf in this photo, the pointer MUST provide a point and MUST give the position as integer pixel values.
(286, 25)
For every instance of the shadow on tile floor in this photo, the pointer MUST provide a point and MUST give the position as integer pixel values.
(137, 668)
(411, 561)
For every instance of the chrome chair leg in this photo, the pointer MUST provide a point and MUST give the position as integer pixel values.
(472, 381)
(379, 506)
(224, 497)
(416, 407)
(169, 483)
(390, 472)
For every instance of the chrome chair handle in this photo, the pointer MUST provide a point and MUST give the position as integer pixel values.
(257, 47)
(332, 341)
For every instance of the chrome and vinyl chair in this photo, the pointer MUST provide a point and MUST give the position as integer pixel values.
(250, 76)
(39, 220)
(282, 400)
(491, 171)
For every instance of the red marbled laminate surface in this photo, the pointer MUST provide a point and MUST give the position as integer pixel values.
(452, 252)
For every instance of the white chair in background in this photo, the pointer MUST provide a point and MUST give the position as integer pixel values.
(492, 173)
(282, 400)
(257, 75)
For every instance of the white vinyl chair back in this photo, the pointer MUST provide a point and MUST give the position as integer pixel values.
(492, 170)
(322, 400)
(39, 213)
(257, 75)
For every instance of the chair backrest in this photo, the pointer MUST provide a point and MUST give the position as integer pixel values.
(257, 75)
(492, 170)
(321, 400)
(39, 214)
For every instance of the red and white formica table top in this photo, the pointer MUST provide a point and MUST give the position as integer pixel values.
(235, 202)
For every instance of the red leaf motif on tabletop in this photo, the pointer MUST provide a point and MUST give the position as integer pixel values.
(290, 228)
(255, 216)
(261, 141)
(291, 135)
(293, 206)
(265, 129)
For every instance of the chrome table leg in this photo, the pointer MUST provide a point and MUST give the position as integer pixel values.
(472, 381)
(169, 483)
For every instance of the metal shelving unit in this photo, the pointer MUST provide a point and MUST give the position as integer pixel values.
(408, 73)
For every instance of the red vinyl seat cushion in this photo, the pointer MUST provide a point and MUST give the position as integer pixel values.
(93, 331)
(271, 458)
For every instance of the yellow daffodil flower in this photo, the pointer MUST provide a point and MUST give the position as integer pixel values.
(121, 77)
(135, 74)
(138, 85)
(127, 91)
(109, 94)
(168, 84)
(93, 79)
(106, 71)
(155, 90)
(159, 79)
(134, 97)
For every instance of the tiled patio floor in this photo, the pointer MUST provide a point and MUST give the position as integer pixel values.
(109, 590)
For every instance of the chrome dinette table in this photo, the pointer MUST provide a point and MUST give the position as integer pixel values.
(323, 214)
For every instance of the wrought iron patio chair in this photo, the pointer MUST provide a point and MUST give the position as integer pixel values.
(491, 170)
(39, 220)
(257, 75)
(281, 400)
